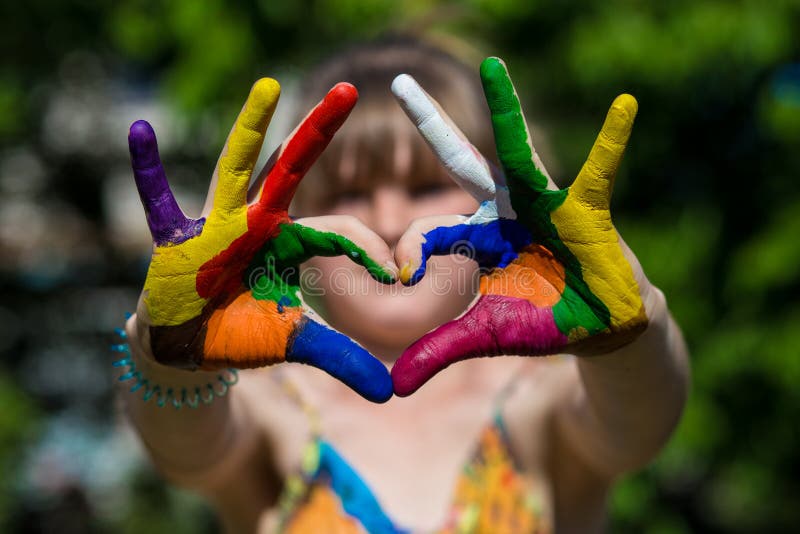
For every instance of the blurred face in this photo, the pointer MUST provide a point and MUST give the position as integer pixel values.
(386, 319)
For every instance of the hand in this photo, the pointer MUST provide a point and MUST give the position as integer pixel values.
(222, 290)
(555, 275)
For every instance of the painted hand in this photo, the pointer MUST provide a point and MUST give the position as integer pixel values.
(555, 275)
(222, 290)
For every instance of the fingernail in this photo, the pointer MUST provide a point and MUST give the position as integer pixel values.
(392, 267)
(407, 271)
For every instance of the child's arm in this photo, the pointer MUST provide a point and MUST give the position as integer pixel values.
(192, 447)
(618, 409)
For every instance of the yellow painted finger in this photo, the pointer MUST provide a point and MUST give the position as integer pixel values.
(595, 182)
(244, 144)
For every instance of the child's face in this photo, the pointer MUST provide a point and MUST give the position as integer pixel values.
(389, 318)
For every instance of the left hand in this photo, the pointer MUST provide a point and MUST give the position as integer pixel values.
(555, 274)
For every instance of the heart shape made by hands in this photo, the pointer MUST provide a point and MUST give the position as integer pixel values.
(223, 290)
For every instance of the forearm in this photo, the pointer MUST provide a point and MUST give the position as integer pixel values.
(186, 444)
(628, 401)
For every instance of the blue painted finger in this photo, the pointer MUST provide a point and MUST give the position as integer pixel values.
(493, 244)
(340, 357)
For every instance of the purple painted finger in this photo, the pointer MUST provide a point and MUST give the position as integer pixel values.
(168, 224)
(494, 326)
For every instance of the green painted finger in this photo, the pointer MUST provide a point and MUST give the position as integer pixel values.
(510, 131)
(297, 243)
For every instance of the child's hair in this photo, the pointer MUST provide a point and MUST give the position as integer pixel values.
(378, 143)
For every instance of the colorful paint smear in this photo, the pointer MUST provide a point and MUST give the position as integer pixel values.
(222, 291)
(554, 277)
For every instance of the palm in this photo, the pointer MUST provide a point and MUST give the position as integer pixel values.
(222, 291)
(554, 276)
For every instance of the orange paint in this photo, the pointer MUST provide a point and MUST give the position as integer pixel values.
(248, 333)
(535, 276)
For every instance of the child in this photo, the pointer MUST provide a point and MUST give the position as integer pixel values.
(512, 444)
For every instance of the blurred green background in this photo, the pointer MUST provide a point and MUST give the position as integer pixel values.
(709, 198)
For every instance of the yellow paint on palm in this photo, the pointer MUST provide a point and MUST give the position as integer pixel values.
(171, 293)
(171, 296)
(605, 270)
(584, 222)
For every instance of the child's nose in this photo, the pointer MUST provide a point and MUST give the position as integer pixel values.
(391, 212)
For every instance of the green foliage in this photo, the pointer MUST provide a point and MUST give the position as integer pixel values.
(160, 508)
(667, 48)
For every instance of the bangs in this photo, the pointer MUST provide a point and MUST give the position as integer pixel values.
(377, 145)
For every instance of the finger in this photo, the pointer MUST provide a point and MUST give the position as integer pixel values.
(494, 244)
(595, 182)
(494, 326)
(522, 165)
(340, 357)
(167, 222)
(413, 249)
(466, 165)
(305, 145)
(339, 235)
(296, 244)
(240, 154)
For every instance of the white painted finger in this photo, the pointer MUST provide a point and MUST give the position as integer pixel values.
(467, 167)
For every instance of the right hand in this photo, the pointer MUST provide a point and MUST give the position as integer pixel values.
(222, 290)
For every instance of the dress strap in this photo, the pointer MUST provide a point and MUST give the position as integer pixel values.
(508, 389)
(296, 396)
(498, 405)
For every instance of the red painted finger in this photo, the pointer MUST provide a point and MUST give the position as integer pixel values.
(303, 148)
